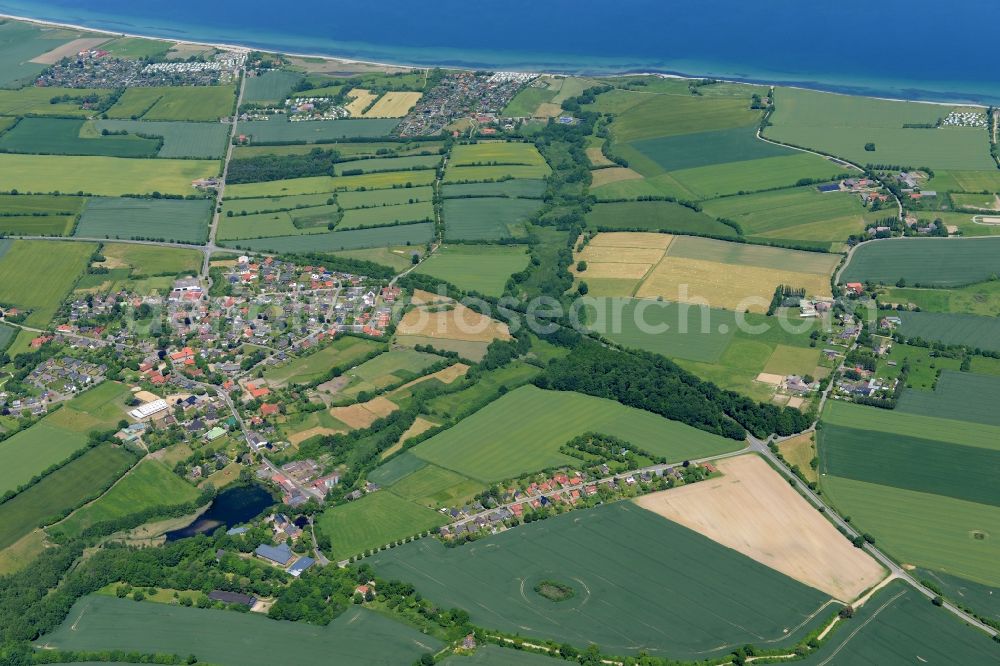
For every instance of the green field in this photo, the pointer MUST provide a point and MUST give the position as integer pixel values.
(62, 490)
(899, 626)
(523, 430)
(754, 175)
(60, 434)
(46, 225)
(63, 136)
(973, 331)
(135, 47)
(7, 335)
(105, 176)
(318, 184)
(841, 125)
(698, 149)
(793, 215)
(982, 298)
(670, 115)
(654, 216)
(176, 220)
(394, 197)
(942, 262)
(151, 484)
(481, 268)
(271, 86)
(396, 258)
(310, 367)
(958, 395)
(359, 218)
(37, 101)
(627, 566)
(271, 204)
(516, 187)
(393, 367)
(22, 42)
(472, 174)
(38, 215)
(526, 102)
(408, 234)
(486, 218)
(183, 103)
(149, 260)
(180, 139)
(921, 528)
(966, 181)
(913, 424)
(496, 153)
(61, 264)
(492, 655)
(912, 463)
(278, 128)
(436, 487)
(280, 223)
(358, 636)
(373, 521)
(377, 164)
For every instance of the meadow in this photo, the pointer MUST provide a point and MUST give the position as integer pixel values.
(797, 215)
(181, 103)
(276, 203)
(264, 225)
(271, 86)
(766, 173)
(31, 225)
(359, 218)
(279, 129)
(37, 101)
(63, 136)
(496, 152)
(62, 490)
(525, 188)
(393, 197)
(654, 216)
(958, 180)
(517, 434)
(320, 184)
(407, 234)
(911, 463)
(310, 367)
(104, 176)
(397, 258)
(149, 260)
(62, 264)
(698, 149)
(941, 262)
(494, 172)
(149, 485)
(982, 298)
(842, 125)
(394, 366)
(376, 164)
(180, 139)
(174, 220)
(671, 115)
(373, 521)
(972, 331)
(436, 487)
(708, 599)
(359, 635)
(60, 434)
(486, 218)
(481, 268)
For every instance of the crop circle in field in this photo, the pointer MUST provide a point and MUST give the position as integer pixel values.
(550, 591)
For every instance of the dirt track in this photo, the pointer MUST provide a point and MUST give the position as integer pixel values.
(751, 509)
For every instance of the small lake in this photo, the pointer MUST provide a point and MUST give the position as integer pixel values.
(229, 508)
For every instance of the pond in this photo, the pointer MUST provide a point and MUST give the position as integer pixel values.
(229, 508)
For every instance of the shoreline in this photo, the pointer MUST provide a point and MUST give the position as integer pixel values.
(373, 63)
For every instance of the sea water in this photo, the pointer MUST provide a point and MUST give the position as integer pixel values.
(894, 48)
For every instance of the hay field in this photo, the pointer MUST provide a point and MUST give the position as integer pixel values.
(360, 100)
(752, 510)
(441, 317)
(364, 414)
(394, 105)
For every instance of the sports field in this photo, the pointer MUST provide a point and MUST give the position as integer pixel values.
(175, 220)
(64, 136)
(358, 636)
(942, 262)
(60, 434)
(373, 521)
(151, 484)
(184, 103)
(841, 125)
(279, 128)
(200, 140)
(62, 490)
(104, 176)
(655, 216)
(61, 264)
(706, 598)
(523, 430)
(323, 184)
(481, 268)
(754, 511)
(485, 218)
(304, 369)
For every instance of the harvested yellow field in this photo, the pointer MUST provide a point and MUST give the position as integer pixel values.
(439, 317)
(638, 239)
(602, 269)
(361, 99)
(600, 177)
(725, 285)
(68, 50)
(364, 414)
(800, 450)
(419, 426)
(394, 105)
(769, 378)
(597, 157)
(754, 511)
(621, 255)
